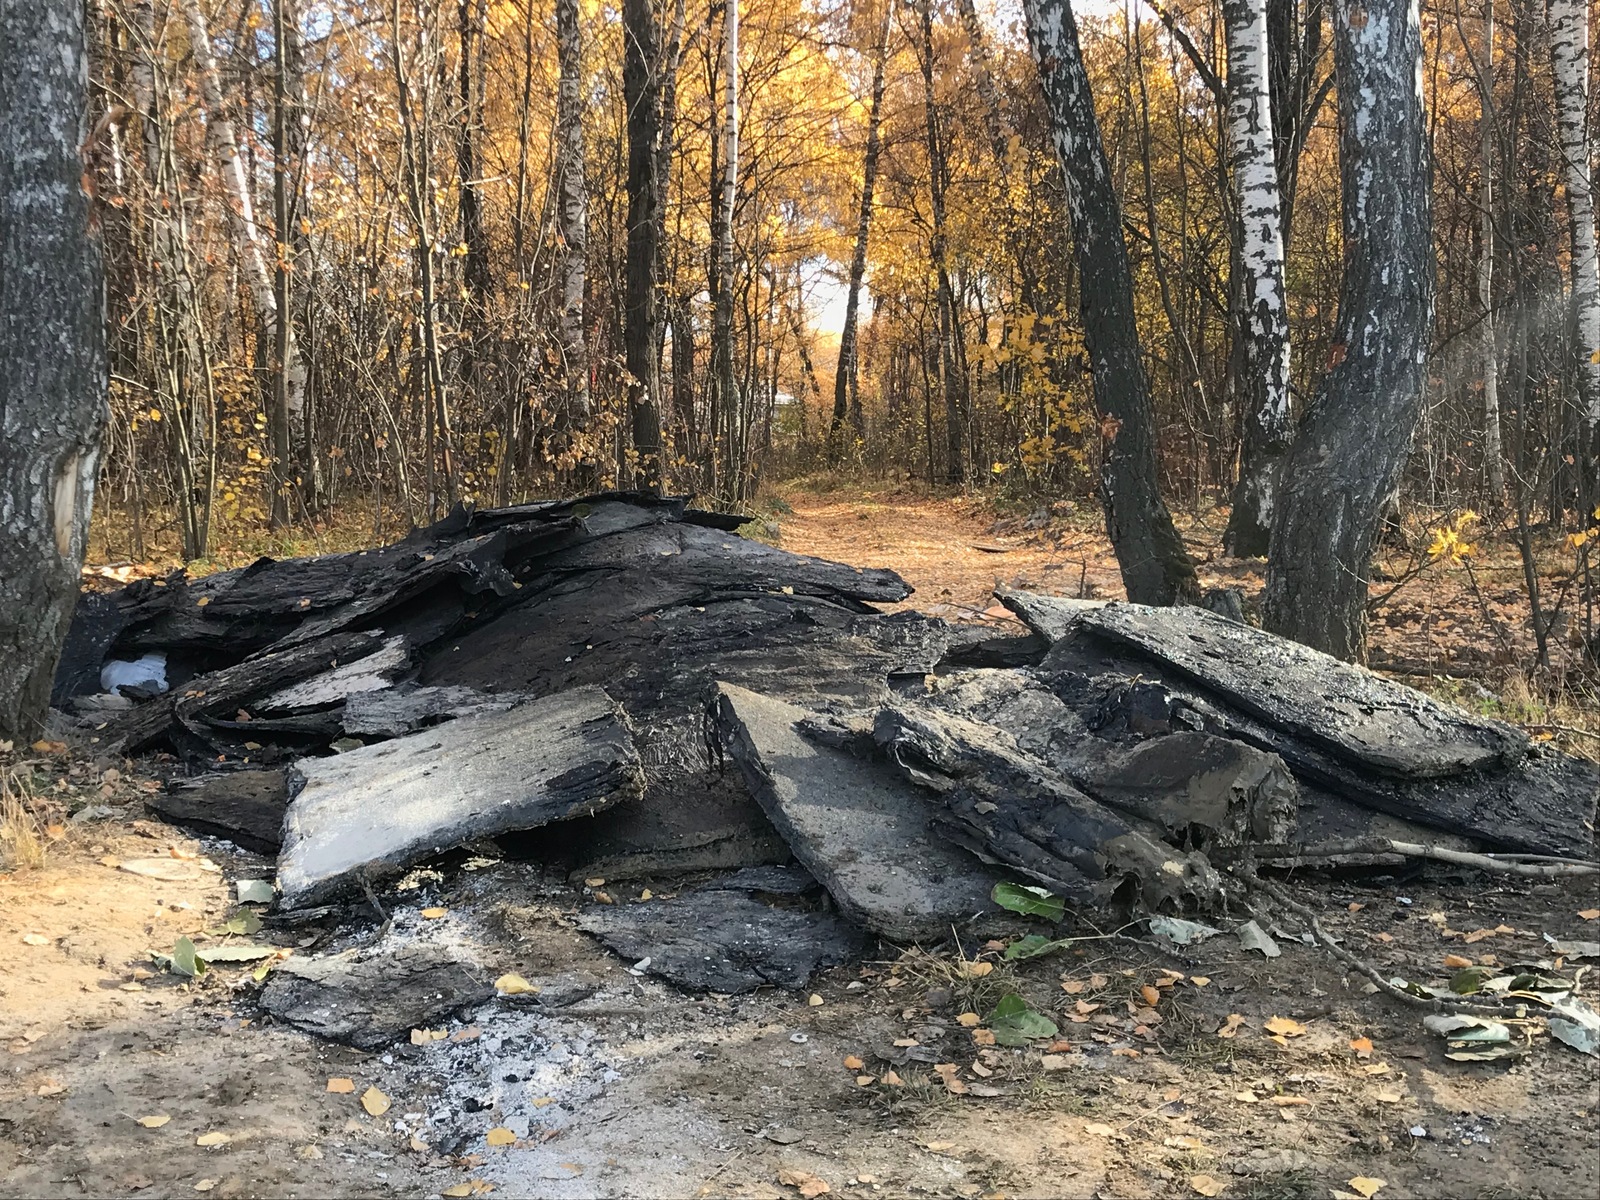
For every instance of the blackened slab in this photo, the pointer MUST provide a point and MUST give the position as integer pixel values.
(1345, 710)
(374, 811)
(245, 807)
(865, 832)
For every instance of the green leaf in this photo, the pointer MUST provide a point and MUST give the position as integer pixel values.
(1014, 1023)
(1034, 945)
(235, 953)
(256, 891)
(185, 961)
(1029, 901)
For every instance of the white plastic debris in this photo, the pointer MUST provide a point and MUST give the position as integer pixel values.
(148, 671)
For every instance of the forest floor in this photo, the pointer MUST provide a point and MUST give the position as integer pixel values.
(117, 1079)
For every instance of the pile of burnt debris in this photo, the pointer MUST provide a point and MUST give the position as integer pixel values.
(622, 686)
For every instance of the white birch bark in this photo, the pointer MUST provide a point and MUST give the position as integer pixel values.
(572, 207)
(722, 317)
(241, 212)
(1488, 356)
(1569, 52)
(1266, 322)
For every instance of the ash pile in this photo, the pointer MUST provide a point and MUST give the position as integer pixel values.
(623, 687)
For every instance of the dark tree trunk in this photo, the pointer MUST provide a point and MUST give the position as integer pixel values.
(470, 17)
(641, 93)
(951, 375)
(1357, 431)
(845, 377)
(1155, 565)
(52, 347)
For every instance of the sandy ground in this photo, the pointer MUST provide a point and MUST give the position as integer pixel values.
(633, 1089)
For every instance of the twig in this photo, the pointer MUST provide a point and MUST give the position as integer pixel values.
(1541, 868)
(1246, 874)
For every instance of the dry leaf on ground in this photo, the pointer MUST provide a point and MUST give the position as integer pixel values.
(807, 1183)
(1366, 1185)
(1206, 1185)
(433, 914)
(515, 985)
(500, 1136)
(1284, 1027)
(154, 1122)
(375, 1102)
(340, 1085)
(853, 1062)
(35, 939)
(214, 1138)
(1230, 1027)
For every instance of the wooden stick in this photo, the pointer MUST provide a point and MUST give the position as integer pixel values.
(1531, 866)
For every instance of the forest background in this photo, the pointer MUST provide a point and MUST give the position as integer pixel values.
(440, 196)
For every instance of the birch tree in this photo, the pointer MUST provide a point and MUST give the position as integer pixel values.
(722, 311)
(52, 348)
(286, 419)
(1264, 325)
(1358, 428)
(1569, 52)
(1488, 355)
(844, 380)
(1155, 565)
(572, 210)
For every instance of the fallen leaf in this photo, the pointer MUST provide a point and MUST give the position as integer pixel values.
(543, 1101)
(35, 939)
(1387, 1098)
(865, 1080)
(947, 1072)
(433, 914)
(1376, 1069)
(1099, 1129)
(892, 1079)
(807, 1183)
(1150, 994)
(1053, 1062)
(1366, 1185)
(515, 985)
(1071, 987)
(1356, 907)
(646, 894)
(205, 1185)
(969, 1019)
(1362, 1046)
(1247, 1098)
(51, 1086)
(1205, 1185)
(1290, 1101)
(1590, 914)
(470, 1034)
(1230, 1027)
(154, 1122)
(1284, 1027)
(1200, 980)
(983, 1037)
(456, 1191)
(853, 1062)
(375, 1102)
(814, 1000)
(340, 1085)
(1084, 1008)
(418, 1146)
(1455, 962)
(500, 1136)
(421, 1037)
(214, 1138)
(1124, 1052)
(976, 970)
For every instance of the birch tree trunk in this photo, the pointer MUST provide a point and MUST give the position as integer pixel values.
(572, 211)
(722, 313)
(1264, 386)
(1569, 52)
(1358, 428)
(1155, 565)
(250, 243)
(845, 376)
(52, 348)
(1488, 354)
(641, 95)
